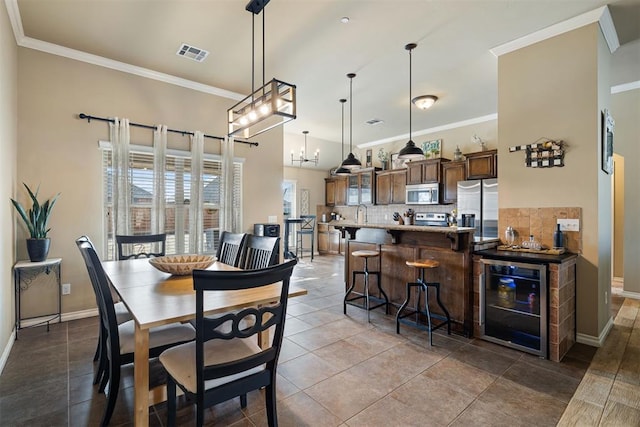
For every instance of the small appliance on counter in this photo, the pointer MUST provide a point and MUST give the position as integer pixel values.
(432, 219)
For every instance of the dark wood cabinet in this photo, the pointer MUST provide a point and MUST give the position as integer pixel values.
(336, 191)
(452, 172)
(390, 187)
(483, 164)
(361, 187)
(425, 171)
(328, 239)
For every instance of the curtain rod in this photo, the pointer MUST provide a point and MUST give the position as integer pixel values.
(84, 116)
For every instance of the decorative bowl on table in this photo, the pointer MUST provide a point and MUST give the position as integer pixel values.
(181, 265)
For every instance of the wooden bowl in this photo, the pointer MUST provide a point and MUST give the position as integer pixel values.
(181, 265)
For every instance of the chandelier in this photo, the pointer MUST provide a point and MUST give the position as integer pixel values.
(267, 107)
(303, 152)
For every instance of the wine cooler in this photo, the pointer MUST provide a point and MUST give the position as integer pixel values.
(513, 305)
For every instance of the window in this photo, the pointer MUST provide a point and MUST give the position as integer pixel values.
(177, 197)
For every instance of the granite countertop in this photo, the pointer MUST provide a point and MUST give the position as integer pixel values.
(429, 229)
(524, 256)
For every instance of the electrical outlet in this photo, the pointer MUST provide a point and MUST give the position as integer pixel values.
(272, 219)
(569, 224)
(66, 288)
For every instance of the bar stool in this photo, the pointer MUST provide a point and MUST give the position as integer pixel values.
(366, 254)
(423, 285)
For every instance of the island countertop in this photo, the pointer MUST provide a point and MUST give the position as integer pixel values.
(404, 227)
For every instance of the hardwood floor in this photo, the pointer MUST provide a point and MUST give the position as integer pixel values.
(338, 370)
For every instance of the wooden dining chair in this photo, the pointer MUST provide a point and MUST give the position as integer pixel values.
(225, 361)
(118, 341)
(141, 246)
(122, 315)
(260, 252)
(230, 248)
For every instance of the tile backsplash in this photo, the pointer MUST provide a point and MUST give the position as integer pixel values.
(541, 223)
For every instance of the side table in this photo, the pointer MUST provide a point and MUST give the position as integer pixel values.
(24, 275)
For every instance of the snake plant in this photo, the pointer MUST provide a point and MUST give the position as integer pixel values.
(37, 218)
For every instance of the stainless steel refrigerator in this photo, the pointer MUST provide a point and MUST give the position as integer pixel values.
(480, 198)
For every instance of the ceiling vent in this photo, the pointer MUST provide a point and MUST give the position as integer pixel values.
(192, 52)
(374, 122)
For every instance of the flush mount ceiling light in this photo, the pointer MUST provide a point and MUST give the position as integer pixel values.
(351, 162)
(269, 106)
(342, 170)
(410, 151)
(424, 101)
(303, 153)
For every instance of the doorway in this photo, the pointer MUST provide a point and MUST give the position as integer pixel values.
(289, 203)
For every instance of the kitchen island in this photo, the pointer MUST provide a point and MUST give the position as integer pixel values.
(451, 246)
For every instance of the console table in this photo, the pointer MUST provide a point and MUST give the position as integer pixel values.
(25, 275)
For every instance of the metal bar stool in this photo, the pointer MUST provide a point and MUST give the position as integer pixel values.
(422, 284)
(366, 296)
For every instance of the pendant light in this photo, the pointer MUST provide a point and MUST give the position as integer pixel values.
(342, 170)
(410, 151)
(269, 106)
(351, 162)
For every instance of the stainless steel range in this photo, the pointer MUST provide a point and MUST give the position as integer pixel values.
(433, 219)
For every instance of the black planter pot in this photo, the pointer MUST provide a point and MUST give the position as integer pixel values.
(38, 249)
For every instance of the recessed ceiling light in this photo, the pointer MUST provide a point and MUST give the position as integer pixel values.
(374, 122)
(344, 19)
(192, 52)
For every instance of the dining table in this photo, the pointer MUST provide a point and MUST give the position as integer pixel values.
(155, 298)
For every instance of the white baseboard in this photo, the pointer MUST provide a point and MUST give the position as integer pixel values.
(595, 341)
(82, 314)
(7, 350)
(632, 295)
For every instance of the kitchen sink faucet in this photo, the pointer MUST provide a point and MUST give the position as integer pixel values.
(365, 212)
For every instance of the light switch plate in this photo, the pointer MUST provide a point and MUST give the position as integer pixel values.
(569, 224)
(273, 219)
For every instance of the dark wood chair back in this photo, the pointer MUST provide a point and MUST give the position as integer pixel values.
(260, 252)
(230, 248)
(141, 246)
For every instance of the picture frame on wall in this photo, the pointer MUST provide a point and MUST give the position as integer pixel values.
(397, 163)
(608, 125)
(432, 149)
(369, 158)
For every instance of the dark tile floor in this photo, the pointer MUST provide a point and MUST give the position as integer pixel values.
(335, 370)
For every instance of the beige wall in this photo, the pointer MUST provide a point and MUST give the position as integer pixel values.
(310, 179)
(625, 109)
(8, 144)
(552, 89)
(59, 151)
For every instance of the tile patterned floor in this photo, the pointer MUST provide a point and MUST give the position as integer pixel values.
(337, 370)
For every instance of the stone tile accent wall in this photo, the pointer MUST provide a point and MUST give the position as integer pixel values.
(541, 222)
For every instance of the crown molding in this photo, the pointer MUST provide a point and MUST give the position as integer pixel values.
(600, 15)
(54, 49)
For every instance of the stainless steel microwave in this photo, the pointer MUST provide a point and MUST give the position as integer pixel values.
(423, 194)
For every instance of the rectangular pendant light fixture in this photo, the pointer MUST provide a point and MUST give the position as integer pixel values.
(269, 106)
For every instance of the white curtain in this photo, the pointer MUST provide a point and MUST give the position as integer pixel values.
(227, 216)
(159, 170)
(195, 198)
(119, 135)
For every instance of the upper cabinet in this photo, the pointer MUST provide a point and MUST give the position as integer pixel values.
(483, 164)
(361, 187)
(390, 187)
(336, 191)
(452, 172)
(424, 171)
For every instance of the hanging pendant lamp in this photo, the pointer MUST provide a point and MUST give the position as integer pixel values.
(410, 151)
(351, 162)
(342, 170)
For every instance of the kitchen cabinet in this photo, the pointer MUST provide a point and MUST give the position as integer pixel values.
(425, 171)
(483, 164)
(336, 191)
(452, 172)
(328, 239)
(390, 187)
(361, 187)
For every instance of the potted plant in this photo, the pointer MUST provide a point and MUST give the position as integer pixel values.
(383, 156)
(37, 219)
